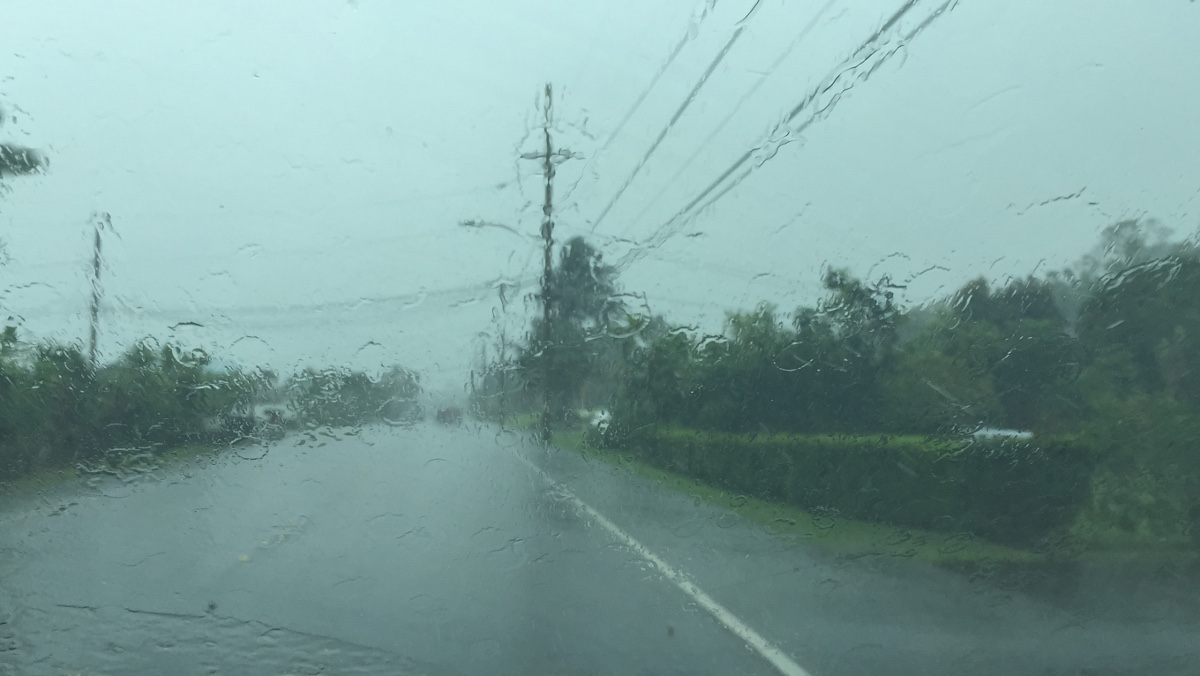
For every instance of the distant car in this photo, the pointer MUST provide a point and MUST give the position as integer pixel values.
(449, 416)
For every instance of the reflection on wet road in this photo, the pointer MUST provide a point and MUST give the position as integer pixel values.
(437, 550)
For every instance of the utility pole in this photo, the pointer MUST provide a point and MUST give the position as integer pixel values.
(550, 159)
(483, 369)
(503, 362)
(100, 221)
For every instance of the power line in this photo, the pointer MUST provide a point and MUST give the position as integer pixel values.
(742, 101)
(322, 250)
(236, 213)
(688, 35)
(869, 56)
(412, 299)
(737, 33)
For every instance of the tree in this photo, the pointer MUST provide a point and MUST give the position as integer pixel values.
(1020, 299)
(16, 160)
(1129, 243)
(858, 325)
(1019, 338)
(584, 287)
(342, 397)
(162, 395)
(863, 315)
(585, 305)
(929, 392)
(739, 385)
(1149, 310)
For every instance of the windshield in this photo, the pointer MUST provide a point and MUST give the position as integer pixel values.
(535, 337)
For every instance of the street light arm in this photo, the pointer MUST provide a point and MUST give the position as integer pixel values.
(479, 225)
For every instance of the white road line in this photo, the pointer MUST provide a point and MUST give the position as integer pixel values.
(770, 653)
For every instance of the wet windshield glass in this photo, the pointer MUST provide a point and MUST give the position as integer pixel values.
(751, 336)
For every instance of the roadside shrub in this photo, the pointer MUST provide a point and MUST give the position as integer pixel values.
(1146, 490)
(57, 409)
(1012, 492)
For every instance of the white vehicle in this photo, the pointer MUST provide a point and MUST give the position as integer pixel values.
(598, 419)
(991, 433)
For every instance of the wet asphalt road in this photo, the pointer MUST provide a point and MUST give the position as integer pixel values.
(437, 550)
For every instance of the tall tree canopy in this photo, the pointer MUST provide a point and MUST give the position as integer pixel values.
(16, 160)
(584, 308)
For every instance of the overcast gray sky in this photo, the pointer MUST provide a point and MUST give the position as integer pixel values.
(290, 175)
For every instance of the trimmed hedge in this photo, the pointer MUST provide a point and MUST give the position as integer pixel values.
(1011, 492)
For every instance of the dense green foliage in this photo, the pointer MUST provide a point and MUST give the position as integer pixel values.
(56, 408)
(341, 397)
(1106, 353)
(16, 160)
(1009, 491)
(568, 360)
(982, 358)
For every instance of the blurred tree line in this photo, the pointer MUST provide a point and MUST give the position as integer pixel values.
(342, 397)
(1105, 353)
(1116, 337)
(17, 160)
(58, 409)
(576, 362)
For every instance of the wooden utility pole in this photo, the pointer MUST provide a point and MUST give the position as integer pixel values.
(100, 221)
(503, 363)
(550, 159)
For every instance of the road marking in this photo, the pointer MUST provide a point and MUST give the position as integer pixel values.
(762, 646)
